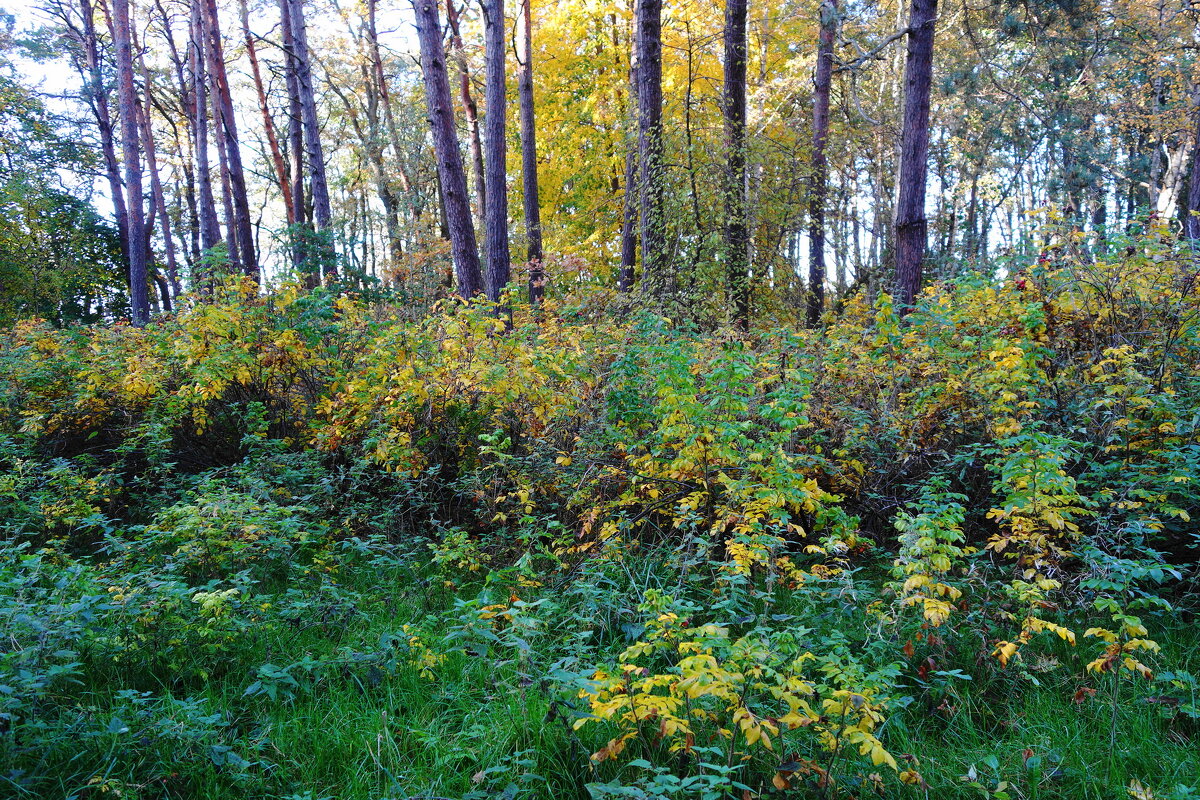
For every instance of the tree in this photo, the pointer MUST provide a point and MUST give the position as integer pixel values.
(209, 227)
(822, 81)
(632, 198)
(650, 148)
(131, 152)
(529, 177)
(281, 171)
(156, 189)
(241, 229)
(295, 137)
(318, 183)
(737, 237)
(1191, 225)
(451, 176)
(910, 223)
(496, 162)
(470, 112)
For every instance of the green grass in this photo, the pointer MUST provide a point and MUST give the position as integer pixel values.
(356, 730)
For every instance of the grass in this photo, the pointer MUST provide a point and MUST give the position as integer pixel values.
(493, 719)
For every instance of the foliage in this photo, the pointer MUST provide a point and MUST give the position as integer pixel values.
(608, 557)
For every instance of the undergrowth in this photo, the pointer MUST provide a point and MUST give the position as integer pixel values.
(297, 546)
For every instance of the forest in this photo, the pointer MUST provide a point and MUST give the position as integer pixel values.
(599, 399)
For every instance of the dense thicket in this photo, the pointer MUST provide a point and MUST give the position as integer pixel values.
(836, 438)
(840, 547)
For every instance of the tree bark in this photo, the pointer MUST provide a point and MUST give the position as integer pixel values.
(318, 184)
(156, 189)
(910, 222)
(209, 226)
(529, 177)
(650, 150)
(243, 229)
(818, 191)
(632, 200)
(499, 266)
(281, 172)
(130, 150)
(451, 177)
(98, 97)
(737, 239)
(470, 112)
(1191, 225)
(295, 143)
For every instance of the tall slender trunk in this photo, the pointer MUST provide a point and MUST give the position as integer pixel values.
(231, 239)
(209, 226)
(281, 172)
(385, 98)
(650, 149)
(632, 200)
(318, 184)
(131, 152)
(243, 228)
(529, 176)
(380, 101)
(822, 83)
(295, 142)
(451, 177)
(470, 112)
(97, 95)
(1191, 225)
(737, 237)
(910, 222)
(496, 275)
(156, 188)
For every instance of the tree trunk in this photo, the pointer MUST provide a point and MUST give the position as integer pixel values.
(295, 144)
(629, 216)
(231, 239)
(470, 112)
(281, 172)
(209, 226)
(380, 99)
(130, 150)
(385, 98)
(243, 229)
(451, 177)
(529, 177)
(818, 191)
(496, 276)
(910, 222)
(1191, 225)
(318, 185)
(737, 237)
(97, 95)
(156, 189)
(650, 150)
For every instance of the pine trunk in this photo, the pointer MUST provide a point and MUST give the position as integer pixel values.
(910, 222)
(97, 95)
(281, 172)
(451, 176)
(131, 152)
(529, 177)
(737, 239)
(650, 150)
(1191, 227)
(295, 143)
(629, 216)
(499, 267)
(470, 111)
(318, 184)
(819, 189)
